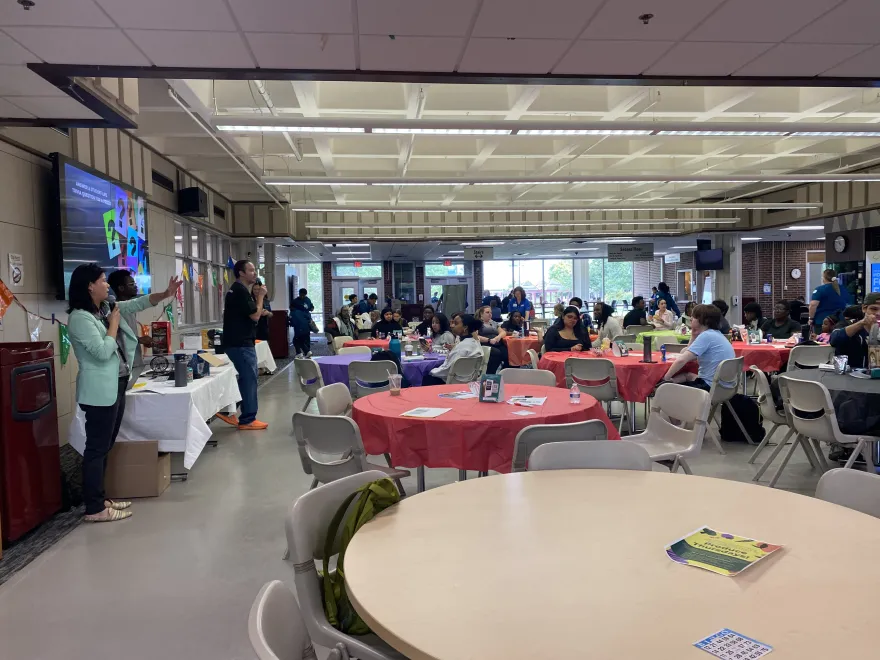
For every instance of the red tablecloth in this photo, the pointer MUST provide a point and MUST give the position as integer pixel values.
(767, 357)
(372, 343)
(516, 349)
(471, 436)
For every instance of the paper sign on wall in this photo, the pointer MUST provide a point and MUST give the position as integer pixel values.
(16, 270)
(672, 258)
(634, 252)
(768, 289)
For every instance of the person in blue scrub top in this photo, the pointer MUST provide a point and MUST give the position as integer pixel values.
(828, 298)
(519, 303)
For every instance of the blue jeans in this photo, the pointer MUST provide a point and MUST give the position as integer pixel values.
(244, 358)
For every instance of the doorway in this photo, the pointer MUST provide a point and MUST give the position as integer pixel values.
(342, 288)
(815, 266)
(434, 288)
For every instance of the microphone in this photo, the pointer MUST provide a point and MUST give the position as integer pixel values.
(111, 299)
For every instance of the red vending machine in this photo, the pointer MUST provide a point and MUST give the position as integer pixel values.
(30, 464)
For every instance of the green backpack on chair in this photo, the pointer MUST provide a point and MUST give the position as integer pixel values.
(369, 500)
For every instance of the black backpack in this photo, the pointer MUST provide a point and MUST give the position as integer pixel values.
(747, 411)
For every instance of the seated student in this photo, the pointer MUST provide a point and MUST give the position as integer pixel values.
(495, 308)
(606, 324)
(392, 357)
(514, 323)
(662, 318)
(637, 315)
(341, 325)
(686, 317)
(398, 319)
(384, 328)
(781, 326)
(439, 333)
(851, 314)
(722, 306)
(491, 335)
(424, 327)
(465, 327)
(567, 334)
(828, 325)
(753, 316)
(708, 347)
(853, 340)
(585, 316)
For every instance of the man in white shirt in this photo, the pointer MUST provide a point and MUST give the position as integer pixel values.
(465, 327)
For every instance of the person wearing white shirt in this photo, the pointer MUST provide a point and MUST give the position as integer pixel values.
(607, 325)
(465, 327)
(663, 318)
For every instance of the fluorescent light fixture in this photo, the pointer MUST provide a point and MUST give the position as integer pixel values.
(581, 209)
(683, 247)
(614, 240)
(805, 228)
(419, 183)
(752, 238)
(289, 129)
(455, 252)
(519, 223)
(351, 252)
(482, 243)
(178, 238)
(578, 249)
(350, 245)
(582, 131)
(443, 131)
(858, 134)
(713, 133)
(328, 182)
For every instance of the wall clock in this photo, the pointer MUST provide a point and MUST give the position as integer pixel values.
(796, 273)
(840, 244)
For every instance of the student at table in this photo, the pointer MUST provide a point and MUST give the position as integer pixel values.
(585, 315)
(424, 327)
(519, 303)
(104, 346)
(341, 325)
(492, 335)
(398, 319)
(125, 288)
(686, 317)
(465, 327)
(663, 318)
(606, 324)
(827, 328)
(722, 306)
(637, 315)
(568, 333)
(514, 323)
(827, 298)
(495, 308)
(368, 304)
(664, 294)
(753, 316)
(440, 333)
(781, 326)
(853, 340)
(708, 347)
(301, 319)
(386, 327)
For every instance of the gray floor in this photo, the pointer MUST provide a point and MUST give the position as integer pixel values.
(178, 578)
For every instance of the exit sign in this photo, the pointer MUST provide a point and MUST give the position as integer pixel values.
(357, 264)
(447, 263)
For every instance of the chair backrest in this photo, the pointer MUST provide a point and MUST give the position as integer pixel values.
(638, 329)
(599, 455)
(810, 357)
(690, 406)
(729, 371)
(533, 357)
(628, 338)
(535, 436)
(675, 348)
(334, 399)
(528, 377)
(765, 396)
(354, 350)
(333, 435)
(276, 627)
(368, 377)
(853, 489)
(487, 353)
(635, 348)
(339, 341)
(465, 370)
(306, 527)
(593, 376)
(803, 396)
(309, 374)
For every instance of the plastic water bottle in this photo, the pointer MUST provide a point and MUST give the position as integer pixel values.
(408, 349)
(663, 352)
(394, 346)
(574, 396)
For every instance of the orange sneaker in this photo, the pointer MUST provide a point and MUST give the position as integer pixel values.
(255, 425)
(232, 420)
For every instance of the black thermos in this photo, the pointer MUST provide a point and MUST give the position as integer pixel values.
(180, 370)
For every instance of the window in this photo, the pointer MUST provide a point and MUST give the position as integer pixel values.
(405, 281)
(437, 269)
(203, 254)
(350, 270)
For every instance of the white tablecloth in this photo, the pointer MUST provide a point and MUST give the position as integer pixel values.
(264, 357)
(176, 417)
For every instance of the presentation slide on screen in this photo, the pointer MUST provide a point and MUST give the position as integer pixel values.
(104, 224)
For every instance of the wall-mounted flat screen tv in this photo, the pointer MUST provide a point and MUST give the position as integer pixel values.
(709, 259)
(100, 220)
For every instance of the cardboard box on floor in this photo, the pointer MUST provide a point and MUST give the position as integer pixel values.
(137, 469)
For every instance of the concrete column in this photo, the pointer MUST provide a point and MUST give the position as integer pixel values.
(728, 282)
(581, 279)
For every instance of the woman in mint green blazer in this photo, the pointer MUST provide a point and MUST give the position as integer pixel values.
(104, 349)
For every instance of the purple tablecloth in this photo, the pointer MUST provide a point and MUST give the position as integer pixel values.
(334, 368)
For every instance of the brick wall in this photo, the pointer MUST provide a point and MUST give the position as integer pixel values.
(642, 278)
(771, 262)
(327, 282)
(388, 279)
(478, 285)
(670, 273)
(420, 284)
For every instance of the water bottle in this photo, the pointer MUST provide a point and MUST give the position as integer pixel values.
(574, 396)
(394, 346)
(408, 349)
(663, 352)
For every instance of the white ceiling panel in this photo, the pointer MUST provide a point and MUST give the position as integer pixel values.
(673, 19)
(302, 51)
(303, 16)
(550, 19)
(21, 81)
(420, 53)
(80, 45)
(63, 107)
(199, 49)
(865, 64)
(692, 58)
(852, 22)
(449, 18)
(170, 14)
(61, 13)
(611, 57)
(12, 53)
(9, 109)
(800, 59)
(512, 55)
(759, 20)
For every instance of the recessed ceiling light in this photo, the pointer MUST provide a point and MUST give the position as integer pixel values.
(289, 129)
(579, 249)
(482, 243)
(347, 244)
(862, 134)
(443, 131)
(805, 228)
(582, 131)
(350, 252)
(614, 240)
(683, 247)
(752, 238)
(710, 133)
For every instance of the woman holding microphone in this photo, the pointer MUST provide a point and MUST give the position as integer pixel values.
(104, 349)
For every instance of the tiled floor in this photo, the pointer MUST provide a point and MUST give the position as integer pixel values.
(178, 578)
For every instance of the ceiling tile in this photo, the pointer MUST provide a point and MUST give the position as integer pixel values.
(170, 14)
(58, 13)
(201, 49)
(21, 81)
(302, 51)
(9, 109)
(412, 53)
(550, 19)
(63, 107)
(672, 19)
(799, 59)
(777, 19)
(853, 22)
(611, 57)
(12, 53)
(415, 17)
(301, 16)
(511, 55)
(80, 45)
(863, 65)
(689, 58)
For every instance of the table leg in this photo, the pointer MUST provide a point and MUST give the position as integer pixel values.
(420, 477)
(632, 417)
(462, 475)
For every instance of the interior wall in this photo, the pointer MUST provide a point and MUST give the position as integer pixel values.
(771, 263)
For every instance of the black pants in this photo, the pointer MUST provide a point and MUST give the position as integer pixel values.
(302, 342)
(432, 380)
(497, 358)
(699, 383)
(102, 426)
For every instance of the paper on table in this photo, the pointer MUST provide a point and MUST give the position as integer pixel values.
(724, 554)
(425, 413)
(463, 394)
(528, 401)
(523, 412)
(729, 645)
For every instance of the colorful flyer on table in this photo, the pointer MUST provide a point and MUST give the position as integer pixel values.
(717, 552)
(729, 645)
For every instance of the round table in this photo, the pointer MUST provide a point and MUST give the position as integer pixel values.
(516, 349)
(472, 435)
(374, 344)
(767, 357)
(334, 368)
(571, 563)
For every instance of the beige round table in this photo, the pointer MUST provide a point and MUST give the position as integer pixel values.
(571, 564)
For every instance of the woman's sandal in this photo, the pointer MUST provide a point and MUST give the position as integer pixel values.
(108, 515)
(113, 504)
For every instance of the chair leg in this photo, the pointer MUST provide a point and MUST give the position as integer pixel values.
(623, 414)
(420, 478)
(773, 455)
(868, 453)
(674, 467)
(794, 445)
(400, 488)
(308, 401)
(286, 554)
(685, 466)
(715, 439)
(388, 459)
(855, 454)
(739, 423)
(763, 443)
(817, 449)
(462, 475)
(314, 484)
